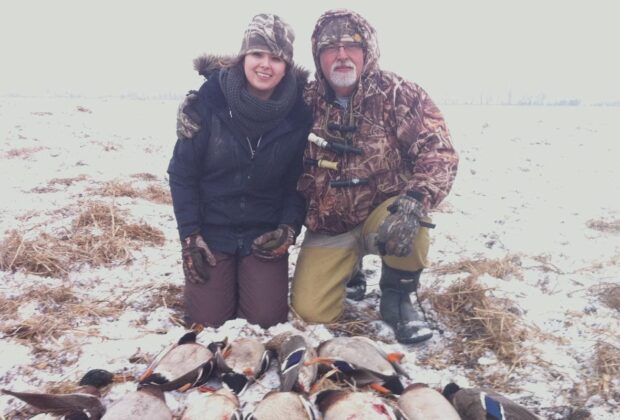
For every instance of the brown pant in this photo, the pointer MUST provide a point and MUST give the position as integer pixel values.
(240, 287)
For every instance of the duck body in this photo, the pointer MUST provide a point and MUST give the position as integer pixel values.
(363, 362)
(339, 405)
(145, 403)
(419, 402)
(293, 351)
(181, 366)
(222, 404)
(283, 406)
(484, 404)
(241, 362)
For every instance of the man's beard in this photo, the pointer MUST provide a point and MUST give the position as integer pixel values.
(343, 79)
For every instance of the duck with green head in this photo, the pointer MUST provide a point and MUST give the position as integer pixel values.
(484, 404)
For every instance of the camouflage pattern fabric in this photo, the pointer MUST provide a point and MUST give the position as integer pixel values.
(340, 29)
(397, 231)
(186, 126)
(269, 33)
(405, 142)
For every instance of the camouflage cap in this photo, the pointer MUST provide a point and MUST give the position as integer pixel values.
(269, 33)
(339, 29)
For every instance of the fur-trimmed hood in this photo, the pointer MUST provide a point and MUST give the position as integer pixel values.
(208, 64)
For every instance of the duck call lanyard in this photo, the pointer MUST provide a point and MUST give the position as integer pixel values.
(343, 134)
(340, 132)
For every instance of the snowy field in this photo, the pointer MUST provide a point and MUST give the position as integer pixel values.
(533, 220)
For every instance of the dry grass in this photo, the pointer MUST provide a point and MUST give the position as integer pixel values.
(154, 193)
(22, 152)
(67, 308)
(168, 296)
(356, 320)
(66, 181)
(609, 294)
(481, 324)
(51, 185)
(607, 371)
(157, 194)
(499, 268)
(612, 226)
(118, 189)
(144, 176)
(100, 235)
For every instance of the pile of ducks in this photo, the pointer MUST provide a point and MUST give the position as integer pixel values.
(373, 385)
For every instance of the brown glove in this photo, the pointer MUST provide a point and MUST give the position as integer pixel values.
(274, 244)
(188, 121)
(196, 256)
(398, 230)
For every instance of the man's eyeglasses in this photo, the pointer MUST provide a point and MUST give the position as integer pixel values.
(349, 47)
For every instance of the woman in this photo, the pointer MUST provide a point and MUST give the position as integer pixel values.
(233, 184)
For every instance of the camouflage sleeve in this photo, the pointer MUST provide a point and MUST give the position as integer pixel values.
(425, 139)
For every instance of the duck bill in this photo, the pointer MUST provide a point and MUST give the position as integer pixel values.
(145, 375)
(395, 357)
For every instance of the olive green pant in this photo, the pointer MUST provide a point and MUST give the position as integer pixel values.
(326, 263)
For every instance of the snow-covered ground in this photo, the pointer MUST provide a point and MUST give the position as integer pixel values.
(537, 186)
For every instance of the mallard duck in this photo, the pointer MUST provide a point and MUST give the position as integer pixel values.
(282, 406)
(419, 402)
(83, 403)
(183, 365)
(483, 404)
(363, 362)
(217, 404)
(339, 404)
(147, 402)
(293, 350)
(240, 362)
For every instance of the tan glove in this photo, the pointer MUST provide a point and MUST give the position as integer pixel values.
(274, 244)
(196, 256)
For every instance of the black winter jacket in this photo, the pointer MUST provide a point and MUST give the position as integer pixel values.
(221, 190)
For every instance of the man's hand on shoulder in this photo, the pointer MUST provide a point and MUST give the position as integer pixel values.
(188, 120)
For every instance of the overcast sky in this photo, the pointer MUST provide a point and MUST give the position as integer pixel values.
(454, 49)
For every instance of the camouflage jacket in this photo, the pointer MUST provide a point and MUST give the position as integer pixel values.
(404, 140)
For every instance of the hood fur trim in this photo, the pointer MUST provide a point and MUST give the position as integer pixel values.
(208, 64)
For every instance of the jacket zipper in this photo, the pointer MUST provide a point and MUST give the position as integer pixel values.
(252, 150)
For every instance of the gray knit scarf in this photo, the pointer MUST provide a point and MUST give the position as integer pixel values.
(255, 116)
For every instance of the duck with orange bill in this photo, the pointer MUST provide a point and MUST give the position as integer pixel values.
(362, 362)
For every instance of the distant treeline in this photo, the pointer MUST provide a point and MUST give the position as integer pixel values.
(508, 100)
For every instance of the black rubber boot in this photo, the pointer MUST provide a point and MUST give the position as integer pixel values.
(356, 287)
(396, 307)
